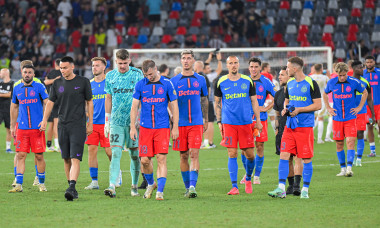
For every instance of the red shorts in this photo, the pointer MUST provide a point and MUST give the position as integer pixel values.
(153, 141)
(232, 134)
(361, 121)
(15, 138)
(299, 141)
(377, 112)
(264, 133)
(189, 137)
(30, 140)
(344, 129)
(98, 136)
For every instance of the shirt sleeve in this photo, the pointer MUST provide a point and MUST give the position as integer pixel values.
(172, 94)
(107, 86)
(328, 88)
(275, 106)
(252, 89)
(217, 90)
(53, 92)
(286, 93)
(14, 97)
(87, 90)
(368, 87)
(43, 92)
(271, 89)
(360, 87)
(204, 90)
(137, 91)
(315, 93)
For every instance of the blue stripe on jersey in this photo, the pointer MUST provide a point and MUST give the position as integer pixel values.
(300, 96)
(374, 80)
(99, 98)
(121, 87)
(359, 95)
(154, 99)
(236, 101)
(190, 89)
(344, 96)
(263, 87)
(30, 100)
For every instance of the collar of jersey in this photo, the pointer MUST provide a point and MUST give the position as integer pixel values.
(31, 85)
(191, 76)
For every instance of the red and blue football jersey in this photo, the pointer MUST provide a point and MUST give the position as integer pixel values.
(263, 87)
(373, 78)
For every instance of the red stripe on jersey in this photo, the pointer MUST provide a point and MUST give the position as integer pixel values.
(29, 120)
(189, 107)
(26, 92)
(154, 89)
(343, 109)
(370, 76)
(188, 83)
(153, 121)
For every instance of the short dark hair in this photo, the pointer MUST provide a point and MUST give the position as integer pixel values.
(122, 54)
(356, 63)
(57, 61)
(147, 64)
(370, 57)
(296, 60)
(264, 64)
(255, 60)
(163, 68)
(284, 67)
(318, 67)
(29, 67)
(67, 59)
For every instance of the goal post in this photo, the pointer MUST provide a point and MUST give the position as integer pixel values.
(275, 56)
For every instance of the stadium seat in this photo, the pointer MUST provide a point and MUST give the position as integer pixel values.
(333, 4)
(375, 37)
(157, 31)
(205, 29)
(316, 29)
(176, 6)
(174, 15)
(186, 14)
(326, 37)
(353, 28)
(164, 15)
(284, 5)
(307, 12)
(303, 29)
(301, 37)
(367, 19)
(377, 11)
(367, 28)
(132, 31)
(261, 5)
(338, 36)
(377, 20)
(144, 31)
(171, 23)
(344, 12)
(181, 30)
(369, 4)
(227, 38)
(154, 39)
(296, 5)
(340, 53)
(330, 44)
(305, 20)
(183, 22)
(282, 13)
(180, 38)
(357, 4)
(308, 5)
(291, 29)
(293, 44)
(281, 44)
(328, 29)
(277, 37)
(195, 22)
(342, 20)
(146, 23)
(194, 30)
(364, 36)
(289, 37)
(131, 40)
(368, 11)
(136, 46)
(198, 14)
(351, 37)
(330, 20)
(166, 39)
(271, 13)
(305, 43)
(356, 12)
(201, 5)
(320, 12)
(320, 5)
(318, 20)
(142, 39)
(341, 44)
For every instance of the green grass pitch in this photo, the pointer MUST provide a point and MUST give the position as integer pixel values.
(334, 201)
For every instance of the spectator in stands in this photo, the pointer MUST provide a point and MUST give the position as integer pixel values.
(154, 14)
(75, 39)
(4, 61)
(112, 34)
(376, 53)
(84, 42)
(133, 12)
(110, 6)
(80, 64)
(213, 12)
(265, 70)
(65, 7)
(350, 70)
(202, 42)
(100, 37)
(252, 23)
(99, 16)
(87, 17)
(24, 5)
(352, 51)
(237, 41)
(63, 24)
(237, 5)
(267, 32)
(177, 70)
(46, 41)
(363, 49)
(120, 19)
(216, 42)
(52, 23)
(189, 42)
(18, 44)
(15, 64)
(76, 12)
(164, 70)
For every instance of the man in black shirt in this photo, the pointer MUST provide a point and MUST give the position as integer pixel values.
(6, 87)
(73, 95)
(53, 118)
(294, 171)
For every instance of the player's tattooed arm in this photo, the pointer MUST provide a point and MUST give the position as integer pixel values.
(218, 108)
(204, 105)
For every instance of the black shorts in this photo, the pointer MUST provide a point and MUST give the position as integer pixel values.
(155, 18)
(211, 113)
(278, 139)
(71, 141)
(54, 113)
(6, 118)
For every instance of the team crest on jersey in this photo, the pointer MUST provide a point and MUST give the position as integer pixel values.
(160, 90)
(304, 89)
(376, 76)
(8, 87)
(174, 92)
(195, 84)
(244, 86)
(305, 148)
(32, 93)
(348, 89)
(261, 88)
(61, 89)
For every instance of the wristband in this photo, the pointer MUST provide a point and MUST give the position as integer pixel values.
(108, 116)
(218, 122)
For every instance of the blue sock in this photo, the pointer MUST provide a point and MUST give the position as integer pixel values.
(36, 170)
(341, 158)
(233, 169)
(250, 167)
(259, 165)
(372, 147)
(350, 157)
(161, 184)
(149, 178)
(360, 148)
(15, 171)
(307, 174)
(41, 177)
(283, 171)
(19, 178)
(244, 161)
(193, 178)
(186, 178)
(94, 173)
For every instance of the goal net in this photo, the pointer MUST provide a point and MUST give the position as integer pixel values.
(276, 57)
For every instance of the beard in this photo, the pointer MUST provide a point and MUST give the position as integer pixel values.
(27, 81)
